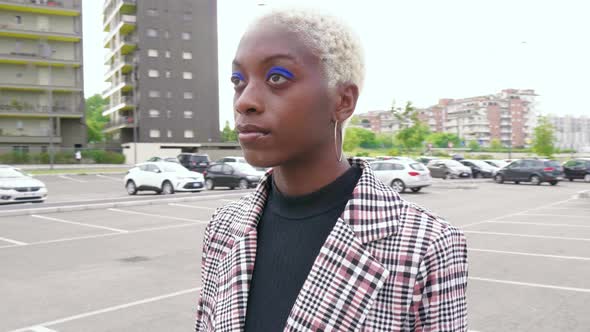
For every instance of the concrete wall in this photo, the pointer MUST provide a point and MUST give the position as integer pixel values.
(23, 74)
(24, 127)
(146, 151)
(72, 132)
(37, 22)
(56, 50)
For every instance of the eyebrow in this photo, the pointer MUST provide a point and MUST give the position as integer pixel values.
(270, 58)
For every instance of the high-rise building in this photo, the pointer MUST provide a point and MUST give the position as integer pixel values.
(162, 71)
(571, 132)
(41, 79)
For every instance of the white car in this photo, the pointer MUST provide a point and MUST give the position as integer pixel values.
(17, 186)
(402, 174)
(163, 178)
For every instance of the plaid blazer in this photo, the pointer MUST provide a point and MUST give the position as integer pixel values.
(387, 265)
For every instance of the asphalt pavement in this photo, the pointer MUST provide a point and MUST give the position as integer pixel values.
(136, 267)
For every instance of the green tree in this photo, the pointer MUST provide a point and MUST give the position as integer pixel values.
(441, 140)
(95, 121)
(228, 134)
(359, 137)
(495, 144)
(413, 132)
(355, 120)
(351, 140)
(473, 145)
(543, 138)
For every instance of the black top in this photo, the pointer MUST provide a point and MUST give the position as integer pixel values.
(291, 232)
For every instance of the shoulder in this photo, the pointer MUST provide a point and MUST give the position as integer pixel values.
(227, 217)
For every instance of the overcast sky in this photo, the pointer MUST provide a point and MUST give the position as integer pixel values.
(423, 50)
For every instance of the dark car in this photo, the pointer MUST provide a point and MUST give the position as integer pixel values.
(194, 161)
(232, 175)
(448, 169)
(577, 169)
(535, 171)
(479, 168)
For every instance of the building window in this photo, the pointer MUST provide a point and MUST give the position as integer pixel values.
(188, 114)
(153, 73)
(18, 19)
(187, 55)
(154, 114)
(152, 32)
(189, 134)
(168, 75)
(20, 148)
(154, 133)
(186, 36)
(154, 94)
(187, 16)
(153, 53)
(152, 12)
(187, 75)
(167, 54)
(168, 94)
(188, 95)
(169, 133)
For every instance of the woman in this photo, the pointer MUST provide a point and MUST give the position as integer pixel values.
(321, 245)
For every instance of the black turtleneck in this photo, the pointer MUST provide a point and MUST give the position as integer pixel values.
(291, 233)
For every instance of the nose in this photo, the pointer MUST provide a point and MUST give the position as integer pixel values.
(249, 100)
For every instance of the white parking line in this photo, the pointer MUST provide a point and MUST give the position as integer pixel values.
(529, 236)
(564, 208)
(158, 216)
(528, 284)
(553, 215)
(518, 253)
(110, 178)
(80, 223)
(41, 329)
(535, 224)
(88, 237)
(71, 179)
(110, 309)
(192, 206)
(18, 243)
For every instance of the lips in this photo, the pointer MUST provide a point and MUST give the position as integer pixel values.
(250, 133)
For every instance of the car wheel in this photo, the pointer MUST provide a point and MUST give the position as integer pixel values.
(447, 176)
(587, 178)
(479, 175)
(131, 187)
(571, 179)
(536, 180)
(415, 190)
(516, 182)
(552, 183)
(209, 184)
(167, 188)
(398, 186)
(499, 178)
(244, 184)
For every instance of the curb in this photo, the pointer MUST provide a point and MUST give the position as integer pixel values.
(100, 206)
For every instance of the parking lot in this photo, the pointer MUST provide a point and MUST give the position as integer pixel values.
(136, 268)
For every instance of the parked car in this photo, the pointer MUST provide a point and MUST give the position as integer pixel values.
(448, 169)
(194, 161)
(577, 169)
(163, 178)
(17, 186)
(479, 168)
(232, 175)
(168, 159)
(232, 160)
(402, 174)
(535, 171)
(403, 158)
(496, 162)
(426, 159)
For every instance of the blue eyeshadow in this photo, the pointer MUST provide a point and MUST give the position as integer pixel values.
(281, 71)
(237, 75)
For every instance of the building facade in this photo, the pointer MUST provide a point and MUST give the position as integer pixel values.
(41, 77)
(162, 71)
(571, 132)
(508, 116)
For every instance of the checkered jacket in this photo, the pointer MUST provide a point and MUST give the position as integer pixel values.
(387, 265)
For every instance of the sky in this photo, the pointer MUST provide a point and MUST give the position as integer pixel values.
(423, 50)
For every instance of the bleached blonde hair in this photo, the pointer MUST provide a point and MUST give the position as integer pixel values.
(330, 39)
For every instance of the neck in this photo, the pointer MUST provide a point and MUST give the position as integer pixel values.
(302, 177)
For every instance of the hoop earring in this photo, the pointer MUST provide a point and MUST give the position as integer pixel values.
(338, 153)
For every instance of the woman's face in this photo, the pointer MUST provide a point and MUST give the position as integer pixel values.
(282, 105)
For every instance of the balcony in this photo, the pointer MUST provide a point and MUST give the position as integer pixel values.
(27, 138)
(113, 7)
(125, 84)
(128, 45)
(13, 30)
(120, 123)
(23, 58)
(61, 8)
(122, 103)
(125, 64)
(125, 25)
(17, 109)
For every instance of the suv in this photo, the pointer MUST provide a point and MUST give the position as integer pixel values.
(535, 171)
(194, 161)
(577, 169)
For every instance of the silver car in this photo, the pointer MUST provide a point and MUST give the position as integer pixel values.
(17, 186)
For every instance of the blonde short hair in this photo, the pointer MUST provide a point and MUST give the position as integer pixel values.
(337, 46)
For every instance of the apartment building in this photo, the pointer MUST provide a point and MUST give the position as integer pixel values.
(162, 71)
(571, 132)
(41, 79)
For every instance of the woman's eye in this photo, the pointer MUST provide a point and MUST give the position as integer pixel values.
(235, 80)
(277, 79)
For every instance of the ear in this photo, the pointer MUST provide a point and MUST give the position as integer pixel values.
(347, 96)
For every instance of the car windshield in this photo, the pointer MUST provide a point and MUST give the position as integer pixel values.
(199, 158)
(417, 166)
(10, 173)
(552, 163)
(480, 164)
(172, 167)
(453, 163)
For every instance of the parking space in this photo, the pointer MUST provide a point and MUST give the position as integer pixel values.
(136, 268)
